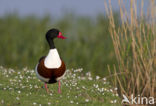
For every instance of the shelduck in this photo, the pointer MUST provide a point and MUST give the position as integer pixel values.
(51, 68)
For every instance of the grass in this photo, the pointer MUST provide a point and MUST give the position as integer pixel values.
(22, 88)
(135, 49)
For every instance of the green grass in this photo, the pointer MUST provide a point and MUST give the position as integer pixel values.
(22, 88)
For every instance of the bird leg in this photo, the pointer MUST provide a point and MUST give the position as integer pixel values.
(45, 85)
(59, 87)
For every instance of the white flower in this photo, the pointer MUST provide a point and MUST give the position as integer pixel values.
(77, 88)
(97, 77)
(23, 86)
(10, 88)
(96, 86)
(88, 74)
(74, 75)
(105, 89)
(102, 89)
(71, 101)
(19, 91)
(116, 89)
(104, 79)
(35, 86)
(90, 78)
(2, 101)
(49, 103)
(17, 98)
(115, 101)
(34, 103)
(111, 90)
(21, 77)
(51, 94)
(83, 87)
(87, 100)
(111, 101)
(117, 94)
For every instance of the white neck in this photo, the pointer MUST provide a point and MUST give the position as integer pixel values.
(52, 60)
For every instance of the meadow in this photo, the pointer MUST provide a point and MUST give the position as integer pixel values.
(22, 88)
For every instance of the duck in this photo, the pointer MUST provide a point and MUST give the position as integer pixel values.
(51, 68)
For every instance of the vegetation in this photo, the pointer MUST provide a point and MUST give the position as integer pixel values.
(135, 49)
(22, 88)
(88, 45)
(120, 46)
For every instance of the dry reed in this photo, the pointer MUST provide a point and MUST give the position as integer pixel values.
(135, 49)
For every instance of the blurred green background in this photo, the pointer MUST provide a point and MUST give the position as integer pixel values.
(89, 45)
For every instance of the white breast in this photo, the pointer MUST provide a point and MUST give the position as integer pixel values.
(52, 60)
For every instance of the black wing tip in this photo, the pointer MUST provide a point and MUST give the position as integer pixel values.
(41, 58)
